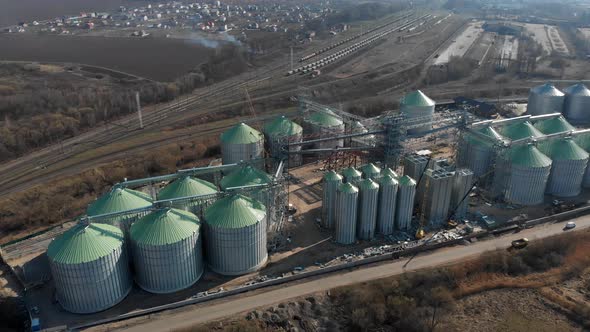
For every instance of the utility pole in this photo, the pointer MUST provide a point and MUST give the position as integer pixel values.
(138, 102)
(291, 58)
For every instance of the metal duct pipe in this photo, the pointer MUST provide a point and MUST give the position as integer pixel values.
(114, 214)
(505, 122)
(545, 116)
(312, 151)
(336, 138)
(542, 138)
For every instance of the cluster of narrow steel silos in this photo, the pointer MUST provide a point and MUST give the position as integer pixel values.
(331, 182)
(367, 209)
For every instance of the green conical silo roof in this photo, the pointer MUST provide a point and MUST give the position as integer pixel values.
(388, 171)
(368, 184)
(351, 172)
(583, 141)
(407, 181)
(417, 98)
(245, 176)
(348, 188)
(282, 126)
(370, 169)
(565, 149)
(387, 180)
(326, 118)
(165, 226)
(488, 131)
(520, 130)
(187, 186)
(235, 211)
(241, 134)
(119, 200)
(529, 156)
(553, 125)
(85, 243)
(332, 176)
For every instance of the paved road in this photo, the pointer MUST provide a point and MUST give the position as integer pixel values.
(217, 310)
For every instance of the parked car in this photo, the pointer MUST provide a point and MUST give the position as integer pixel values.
(569, 225)
(520, 243)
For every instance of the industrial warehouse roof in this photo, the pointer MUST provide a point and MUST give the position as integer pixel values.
(282, 126)
(390, 172)
(566, 149)
(119, 200)
(387, 180)
(577, 90)
(529, 156)
(351, 172)
(332, 176)
(241, 134)
(520, 130)
(547, 89)
(583, 141)
(245, 176)
(417, 98)
(368, 184)
(326, 118)
(165, 226)
(235, 211)
(187, 186)
(553, 125)
(85, 243)
(370, 169)
(406, 181)
(348, 188)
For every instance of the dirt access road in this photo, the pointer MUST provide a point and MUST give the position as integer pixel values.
(235, 305)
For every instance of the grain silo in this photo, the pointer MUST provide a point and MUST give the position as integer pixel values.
(367, 140)
(331, 182)
(545, 99)
(577, 100)
(567, 171)
(405, 203)
(478, 153)
(552, 125)
(583, 141)
(167, 252)
(388, 187)
(119, 200)
(235, 235)
(346, 214)
(527, 177)
(370, 171)
(279, 132)
(351, 175)
(90, 268)
(462, 185)
(437, 196)
(241, 143)
(414, 167)
(388, 171)
(417, 105)
(187, 186)
(519, 130)
(368, 203)
(326, 124)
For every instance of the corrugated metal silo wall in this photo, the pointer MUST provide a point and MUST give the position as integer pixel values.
(479, 159)
(414, 167)
(387, 207)
(346, 216)
(367, 213)
(565, 178)
(329, 203)
(275, 144)
(418, 112)
(461, 185)
(168, 268)
(576, 109)
(94, 286)
(438, 197)
(325, 132)
(236, 251)
(405, 207)
(543, 104)
(527, 185)
(234, 153)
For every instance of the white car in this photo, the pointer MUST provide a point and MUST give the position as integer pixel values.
(570, 225)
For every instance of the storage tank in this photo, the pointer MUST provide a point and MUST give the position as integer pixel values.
(346, 213)
(368, 203)
(545, 99)
(119, 200)
(583, 141)
(235, 235)
(528, 175)
(241, 143)
(167, 251)
(187, 186)
(478, 153)
(388, 171)
(414, 167)
(553, 125)
(567, 171)
(281, 131)
(351, 175)
(520, 130)
(417, 105)
(326, 124)
(462, 185)
(370, 171)
(405, 203)
(388, 187)
(331, 182)
(438, 190)
(577, 100)
(90, 268)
